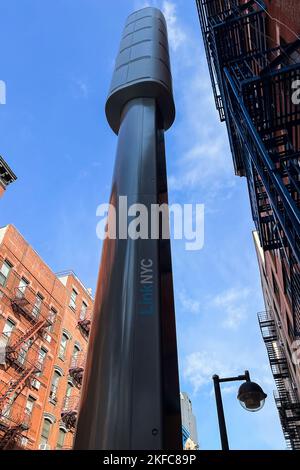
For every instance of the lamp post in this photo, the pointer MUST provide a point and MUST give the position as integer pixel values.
(250, 395)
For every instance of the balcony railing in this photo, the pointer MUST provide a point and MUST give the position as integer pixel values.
(22, 353)
(13, 415)
(288, 406)
(76, 368)
(26, 302)
(12, 389)
(84, 321)
(286, 399)
(230, 31)
(69, 411)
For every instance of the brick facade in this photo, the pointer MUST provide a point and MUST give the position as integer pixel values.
(54, 311)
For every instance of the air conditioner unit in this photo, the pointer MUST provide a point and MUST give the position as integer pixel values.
(44, 447)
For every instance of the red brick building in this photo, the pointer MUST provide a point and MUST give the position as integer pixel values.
(6, 176)
(281, 287)
(44, 327)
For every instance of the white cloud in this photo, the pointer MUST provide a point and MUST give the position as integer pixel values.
(189, 304)
(80, 88)
(229, 389)
(202, 166)
(199, 367)
(139, 4)
(83, 87)
(176, 34)
(233, 303)
(202, 157)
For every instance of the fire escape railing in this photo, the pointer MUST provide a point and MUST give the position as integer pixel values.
(253, 85)
(24, 302)
(15, 420)
(76, 368)
(26, 373)
(286, 399)
(69, 411)
(84, 321)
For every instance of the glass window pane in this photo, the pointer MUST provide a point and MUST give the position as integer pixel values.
(61, 439)
(8, 327)
(4, 272)
(46, 429)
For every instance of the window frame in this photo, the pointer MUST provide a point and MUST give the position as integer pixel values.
(44, 439)
(63, 349)
(54, 385)
(61, 431)
(6, 262)
(72, 302)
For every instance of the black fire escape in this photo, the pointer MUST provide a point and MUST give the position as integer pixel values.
(76, 368)
(286, 399)
(70, 411)
(254, 89)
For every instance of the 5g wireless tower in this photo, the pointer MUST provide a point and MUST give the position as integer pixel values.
(130, 395)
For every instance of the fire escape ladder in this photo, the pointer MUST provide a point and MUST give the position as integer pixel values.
(30, 334)
(16, 386)
(10, 436)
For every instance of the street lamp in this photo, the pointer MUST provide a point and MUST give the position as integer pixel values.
(250, 395)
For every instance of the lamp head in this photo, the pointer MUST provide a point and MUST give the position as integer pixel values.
(251, 396)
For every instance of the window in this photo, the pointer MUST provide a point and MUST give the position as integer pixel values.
(76, 351)
(42, 357)
(68, 395)
(7, 409)
(8, 327)
(45, 431)
(29, 406)
(52, 318)
(83, 311)
(24, 441)
(22, 287)
(69, 390)
(73, 299)
(286, 282)
(276, 288)
(54, 385)
(63, 346)
(75, 355)
(290, 327)
(61, 439)
(4, 272)
(24, 350)
(38, 305)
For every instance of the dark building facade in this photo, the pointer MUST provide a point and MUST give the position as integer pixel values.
(7, 176)
(253, 53)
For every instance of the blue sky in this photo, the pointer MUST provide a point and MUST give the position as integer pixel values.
(57, 60)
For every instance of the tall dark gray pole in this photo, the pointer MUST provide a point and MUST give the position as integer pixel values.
(130, 395)
(220, 411)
